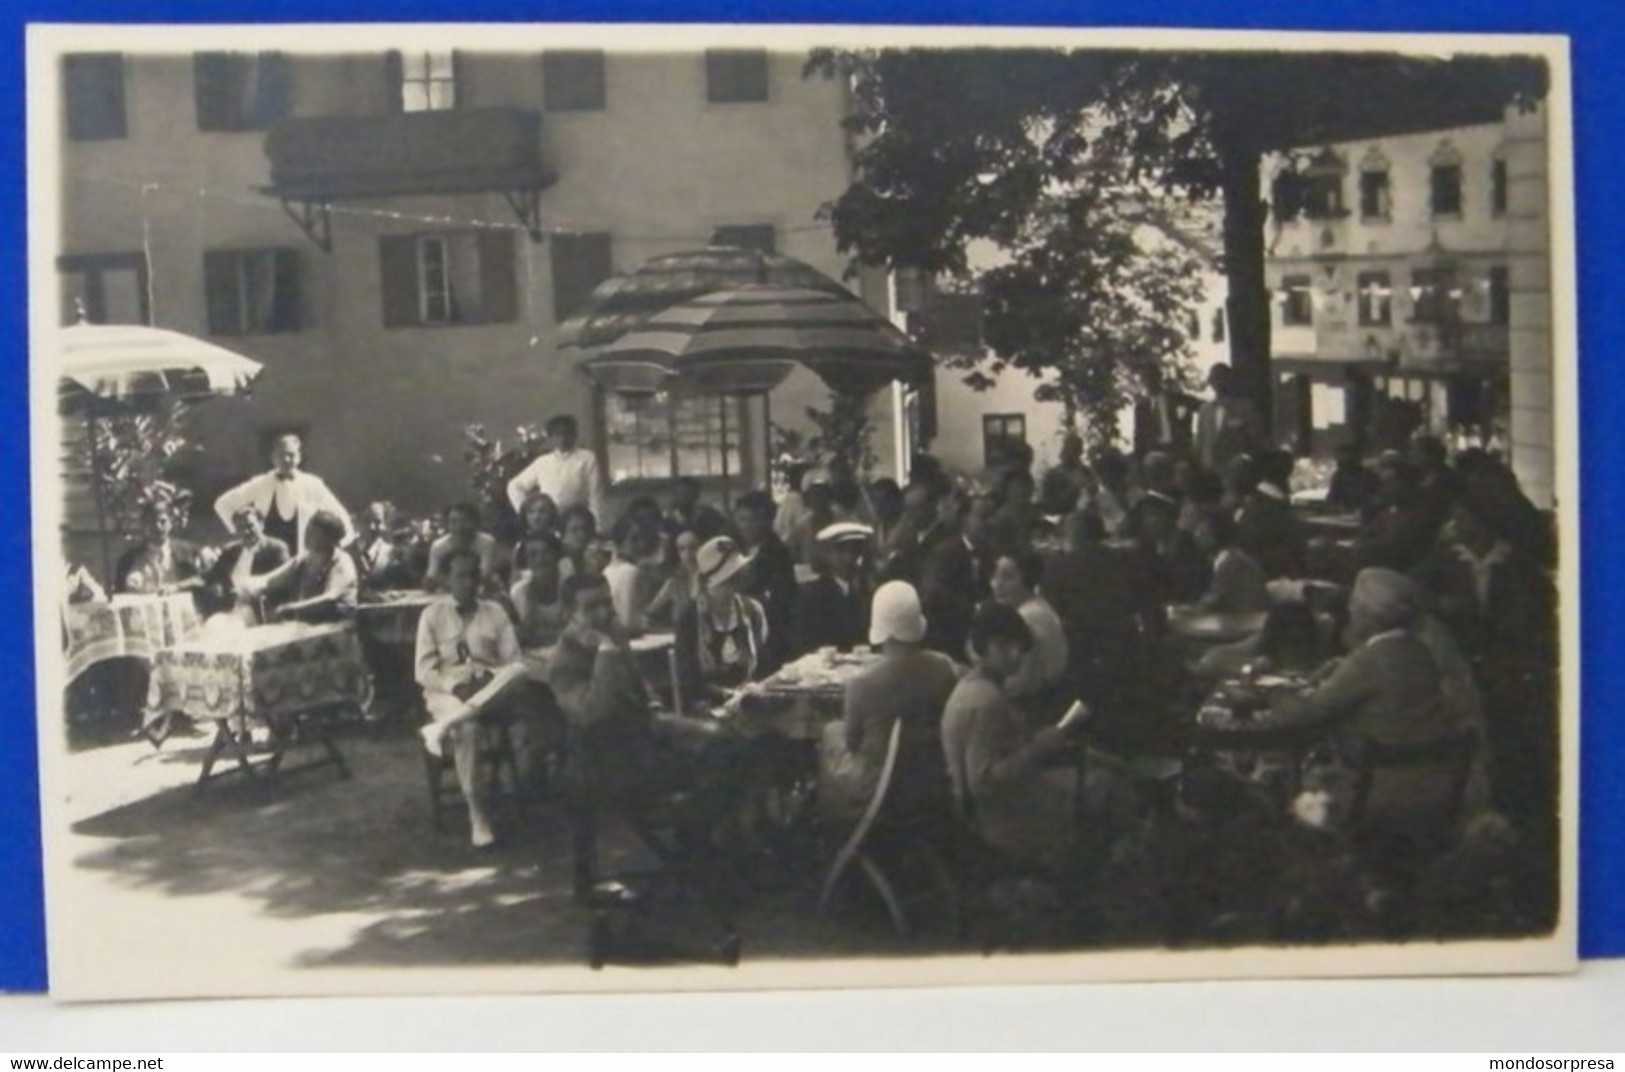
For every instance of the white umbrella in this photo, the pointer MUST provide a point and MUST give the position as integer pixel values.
(131, 362)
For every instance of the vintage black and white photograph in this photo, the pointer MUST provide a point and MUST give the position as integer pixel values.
(527, 508)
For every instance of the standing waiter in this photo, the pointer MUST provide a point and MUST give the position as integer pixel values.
(287, 497)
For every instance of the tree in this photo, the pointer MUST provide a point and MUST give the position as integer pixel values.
(956, 146)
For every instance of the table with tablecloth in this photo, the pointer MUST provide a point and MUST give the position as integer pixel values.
(127, 626)
(271, 676)
(800, 699)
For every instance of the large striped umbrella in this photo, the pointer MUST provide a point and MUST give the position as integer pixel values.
(626, 302)
(746, 339)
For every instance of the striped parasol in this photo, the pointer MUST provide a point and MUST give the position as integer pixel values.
(745, 340)
(133, 363)
(626, 302)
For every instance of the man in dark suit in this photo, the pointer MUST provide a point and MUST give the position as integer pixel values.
(832, 611)
(770, 578)
(252, 554)
(954, 573)
(1266, 527)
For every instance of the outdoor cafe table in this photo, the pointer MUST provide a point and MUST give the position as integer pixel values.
(1237, 726)
(391, 617)
(128, 626)
(803, 697)
(284, 677)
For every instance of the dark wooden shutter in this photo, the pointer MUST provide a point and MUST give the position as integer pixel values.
(499, 289)
(220, 288)
(93, 85)
(393, 99)
(735, 76)
(285, 295)
(398, 279)
(273, 89)
(573, 81)
(212, 87)
(461, 95)
(580, 262)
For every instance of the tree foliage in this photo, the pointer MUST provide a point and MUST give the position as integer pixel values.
(957, 147)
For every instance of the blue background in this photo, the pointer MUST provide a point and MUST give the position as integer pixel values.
(1598, 45)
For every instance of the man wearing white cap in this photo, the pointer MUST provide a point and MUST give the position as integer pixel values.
(832, 610)
(909, 684)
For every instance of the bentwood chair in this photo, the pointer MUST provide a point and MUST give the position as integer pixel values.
(883, 843)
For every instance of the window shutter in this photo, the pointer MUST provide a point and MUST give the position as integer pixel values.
(393, 100)
(273, 90)
(94, 94)
(398, 279)
(499, 289)
(460, 95)
(211, 83)
(285, 296)
(580, 262)
(220, 292)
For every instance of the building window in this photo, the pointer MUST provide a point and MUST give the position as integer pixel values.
(1375, 195)
(251, 291)
(93, 87)
(424, 81)
(1218, 324)
(762, 237)
(1444, 186)
(104, 288)
(1498, 187)
(1298, 306)
(1376, 299)
(661, 436)
(736, 76)
(448, 279)
(573, 81)
(1000, 432)
(1434, 296)
(581, 261)
(240, 90)
(1193, 325)
(1500, 284)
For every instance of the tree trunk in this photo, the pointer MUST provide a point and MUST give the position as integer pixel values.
(1248, 304)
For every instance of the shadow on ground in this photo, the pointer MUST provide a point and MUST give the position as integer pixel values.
(309, 844)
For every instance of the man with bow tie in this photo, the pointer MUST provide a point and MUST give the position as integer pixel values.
(287, 497)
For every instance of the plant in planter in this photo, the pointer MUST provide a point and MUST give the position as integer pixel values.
(130, 457)
(492, 463)
(845, 436)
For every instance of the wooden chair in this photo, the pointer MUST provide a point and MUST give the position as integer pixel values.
(878, 837)
(1451, 754)
(496, 761)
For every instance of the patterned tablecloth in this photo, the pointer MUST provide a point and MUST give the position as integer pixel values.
(259, 673)
(801, 699)
(137, 626)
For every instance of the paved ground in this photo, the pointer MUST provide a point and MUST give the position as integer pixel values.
(310, 873)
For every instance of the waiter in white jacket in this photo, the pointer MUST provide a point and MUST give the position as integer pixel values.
(287, 497)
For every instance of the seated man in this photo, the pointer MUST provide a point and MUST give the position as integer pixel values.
(252, 554)
(1266, 525)
(159, 563)
(621, 757)
(537, 596)
(832, 610)
(468, 660)
(318, 586)
(462, 534)
(383, 561)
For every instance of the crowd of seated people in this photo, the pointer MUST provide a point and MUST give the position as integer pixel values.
(994, 605)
